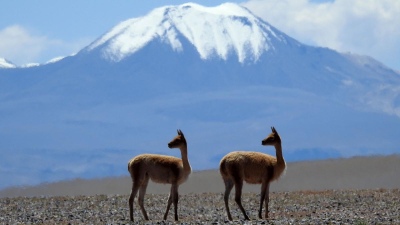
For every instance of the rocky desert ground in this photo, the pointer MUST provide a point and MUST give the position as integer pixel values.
(380, 206)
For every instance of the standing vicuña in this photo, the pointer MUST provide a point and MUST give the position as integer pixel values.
(254, 168)
(160, 169)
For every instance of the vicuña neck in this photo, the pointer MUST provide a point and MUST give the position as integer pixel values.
(279, 156)
(185, 160)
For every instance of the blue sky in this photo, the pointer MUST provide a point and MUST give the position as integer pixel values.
(37, 31)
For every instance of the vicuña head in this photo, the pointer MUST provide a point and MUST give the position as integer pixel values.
(272, 139)
(253, 168)
(160, 169)
(179, 141)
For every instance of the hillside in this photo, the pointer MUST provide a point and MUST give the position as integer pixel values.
(336, 174)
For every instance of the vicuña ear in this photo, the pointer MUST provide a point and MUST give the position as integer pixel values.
(273, 129)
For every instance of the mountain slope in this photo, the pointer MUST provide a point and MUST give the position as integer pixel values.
(220, 74)
(367, 173)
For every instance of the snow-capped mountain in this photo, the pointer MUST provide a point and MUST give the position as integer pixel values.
(56, 59)
(220, 74)
(4, 63)
(212, 31)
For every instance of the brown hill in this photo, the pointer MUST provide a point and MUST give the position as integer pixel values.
(352, 173)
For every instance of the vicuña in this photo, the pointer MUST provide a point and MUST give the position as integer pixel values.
(254, 168)
(160, 169)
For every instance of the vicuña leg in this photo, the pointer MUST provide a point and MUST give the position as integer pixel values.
(264, 197)
(238, 196)
(266, 201)
(228, 188)
(176, 198)
(171, 198)
(168, 205)
(135, 188)
(142, 192)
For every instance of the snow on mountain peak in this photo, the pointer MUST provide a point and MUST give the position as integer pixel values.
(221, 30)
(6, 64)
(56, 59)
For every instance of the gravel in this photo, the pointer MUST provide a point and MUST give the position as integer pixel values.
(380, 206)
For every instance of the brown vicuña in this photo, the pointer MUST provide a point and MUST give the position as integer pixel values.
(254, 168)
(160, 169)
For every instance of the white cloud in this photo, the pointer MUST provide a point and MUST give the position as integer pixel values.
(367, 27)
(22, 46)
(17, 44)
